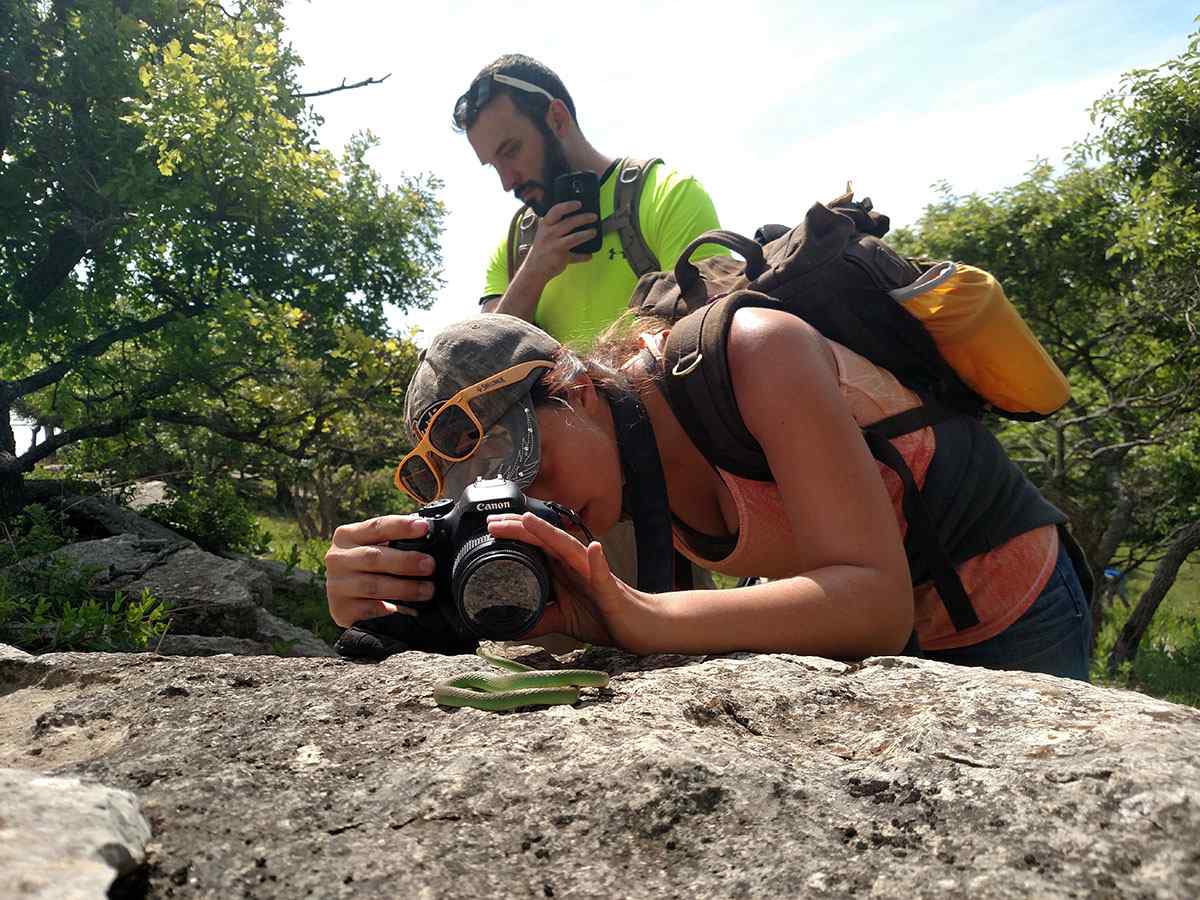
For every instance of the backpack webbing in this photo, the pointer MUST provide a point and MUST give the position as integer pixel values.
(698, 388)
(627, 196)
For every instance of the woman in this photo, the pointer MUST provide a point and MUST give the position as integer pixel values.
(828, 531)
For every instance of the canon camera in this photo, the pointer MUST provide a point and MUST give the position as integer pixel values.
(484, 587)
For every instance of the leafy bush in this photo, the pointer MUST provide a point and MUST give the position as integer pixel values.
(35, 532)
(45, 605)
(211, 512)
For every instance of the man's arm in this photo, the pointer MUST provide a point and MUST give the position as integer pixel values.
(550, 254)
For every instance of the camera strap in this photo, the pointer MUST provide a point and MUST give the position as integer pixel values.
(645, 493)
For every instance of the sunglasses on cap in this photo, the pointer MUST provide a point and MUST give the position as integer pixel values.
(453, 434)
(481, 92)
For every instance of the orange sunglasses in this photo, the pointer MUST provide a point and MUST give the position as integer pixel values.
(453, 434)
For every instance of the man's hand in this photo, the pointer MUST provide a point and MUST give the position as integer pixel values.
(554, 242)
(550, 254)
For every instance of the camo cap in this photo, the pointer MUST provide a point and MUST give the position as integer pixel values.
(467, 353)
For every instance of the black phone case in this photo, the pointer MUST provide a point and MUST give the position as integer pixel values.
(584, 187)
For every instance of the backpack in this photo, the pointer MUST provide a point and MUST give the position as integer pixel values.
(631, 180)
(834, 271)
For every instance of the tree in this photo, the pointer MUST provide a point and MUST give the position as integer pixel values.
(1101, 258)
(175, 249)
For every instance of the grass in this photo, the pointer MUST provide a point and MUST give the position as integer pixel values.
(1168, 661)
(307, 609)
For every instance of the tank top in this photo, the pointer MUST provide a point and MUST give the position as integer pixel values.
(1002, 582)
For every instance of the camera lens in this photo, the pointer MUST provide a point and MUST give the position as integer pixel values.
(500, 587)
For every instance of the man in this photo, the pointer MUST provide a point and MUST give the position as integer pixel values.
(520, 119)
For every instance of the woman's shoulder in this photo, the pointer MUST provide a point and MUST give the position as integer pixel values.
(774, 347)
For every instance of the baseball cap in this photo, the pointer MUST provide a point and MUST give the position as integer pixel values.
(468, 353)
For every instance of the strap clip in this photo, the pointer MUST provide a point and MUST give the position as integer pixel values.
(691, 367)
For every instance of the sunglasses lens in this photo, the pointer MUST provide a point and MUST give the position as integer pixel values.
(419, 479)
(452, 433)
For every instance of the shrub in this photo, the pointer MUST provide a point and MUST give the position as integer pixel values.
(45, 605)
(210, 512)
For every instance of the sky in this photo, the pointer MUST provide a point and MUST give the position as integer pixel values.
(772, 106)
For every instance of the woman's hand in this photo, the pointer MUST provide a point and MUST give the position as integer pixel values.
(364, 575)
(592, 604)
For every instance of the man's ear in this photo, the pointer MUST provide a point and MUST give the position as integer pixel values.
(558, 118)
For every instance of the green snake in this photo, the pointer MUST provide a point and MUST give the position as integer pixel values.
(526, 686)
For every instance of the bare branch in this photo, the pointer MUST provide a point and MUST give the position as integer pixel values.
(12, 390)
(345, 87)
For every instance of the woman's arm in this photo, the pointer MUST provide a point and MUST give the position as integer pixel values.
(851, 597)
(854, 596)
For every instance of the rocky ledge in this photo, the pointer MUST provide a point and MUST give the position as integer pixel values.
(740, 776)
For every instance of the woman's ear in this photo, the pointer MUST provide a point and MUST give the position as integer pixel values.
(584, 394)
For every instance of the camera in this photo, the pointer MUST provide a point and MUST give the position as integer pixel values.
(484, 587)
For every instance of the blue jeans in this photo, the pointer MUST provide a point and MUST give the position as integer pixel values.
(1053, 636)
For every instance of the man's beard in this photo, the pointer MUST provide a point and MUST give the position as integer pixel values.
(554, 164)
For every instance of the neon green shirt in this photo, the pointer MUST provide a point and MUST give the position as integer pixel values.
(577, 305)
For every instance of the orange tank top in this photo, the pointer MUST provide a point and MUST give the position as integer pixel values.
(1002, 583)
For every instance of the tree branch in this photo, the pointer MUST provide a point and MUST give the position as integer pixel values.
(12, 390)
(345, 87)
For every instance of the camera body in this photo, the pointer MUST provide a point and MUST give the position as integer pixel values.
(484, 587)
(584, 187)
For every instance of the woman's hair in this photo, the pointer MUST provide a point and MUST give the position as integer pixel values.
(603, 364)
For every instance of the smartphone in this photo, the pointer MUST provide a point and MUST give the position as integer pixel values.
(584, 187)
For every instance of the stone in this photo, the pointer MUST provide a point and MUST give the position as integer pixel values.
(207, 595)
(734, 776)
(202, 645)
(147, 493)
(64, 839)
(95, 516)
(286, 639)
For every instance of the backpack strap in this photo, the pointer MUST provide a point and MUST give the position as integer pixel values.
(521, 231)
(698, 388)
(625, 221)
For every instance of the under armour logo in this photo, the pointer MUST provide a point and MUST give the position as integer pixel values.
(612, 253)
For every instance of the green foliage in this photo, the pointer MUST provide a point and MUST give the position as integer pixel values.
(289, 545)
(1168, 663)
(211, 512)
(194, 284)
(1100, 257)
(35, 532)
(308, 609)
(46, 605)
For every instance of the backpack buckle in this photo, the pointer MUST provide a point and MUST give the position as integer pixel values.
(691, 367)
(629, 174)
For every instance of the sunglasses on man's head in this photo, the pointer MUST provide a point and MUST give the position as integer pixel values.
(481, 92)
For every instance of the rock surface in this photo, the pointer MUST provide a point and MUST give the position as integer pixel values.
(62, 839)
(208, 596)
(740, 776)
